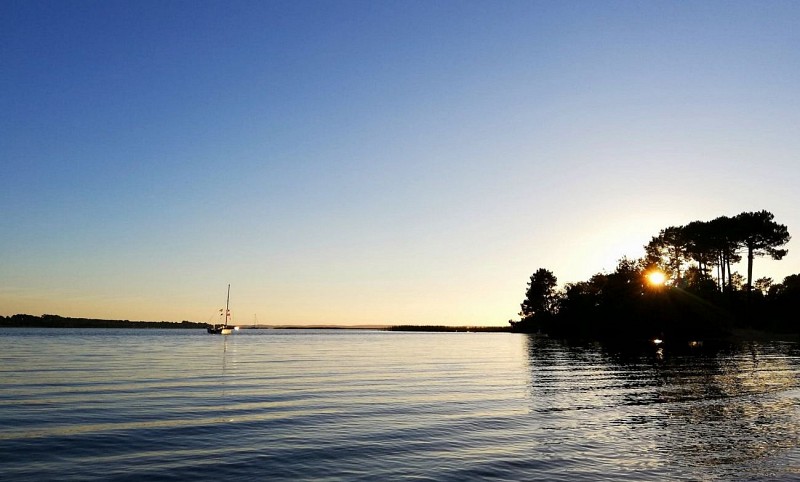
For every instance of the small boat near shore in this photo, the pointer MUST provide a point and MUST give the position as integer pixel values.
(224, 328)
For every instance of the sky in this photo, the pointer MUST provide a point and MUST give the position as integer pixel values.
(376, 162)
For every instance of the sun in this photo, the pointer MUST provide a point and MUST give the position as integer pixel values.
(656, 278)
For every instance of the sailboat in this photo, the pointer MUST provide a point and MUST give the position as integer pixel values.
(224, 328)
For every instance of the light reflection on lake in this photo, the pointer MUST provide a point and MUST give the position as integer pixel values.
(728, 413)
(361, 405)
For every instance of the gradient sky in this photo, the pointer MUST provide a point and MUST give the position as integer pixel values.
(376, 161)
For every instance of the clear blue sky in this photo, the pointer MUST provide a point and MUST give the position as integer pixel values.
(376, 161)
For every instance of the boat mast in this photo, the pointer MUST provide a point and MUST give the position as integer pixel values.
(227, 304)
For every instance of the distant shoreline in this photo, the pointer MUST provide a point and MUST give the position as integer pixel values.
(56, 321)
(314, 327)
(418, 328)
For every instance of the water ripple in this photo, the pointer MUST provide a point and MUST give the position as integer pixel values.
(341, 405)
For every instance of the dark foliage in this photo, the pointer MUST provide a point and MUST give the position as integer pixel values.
(55, 321)
(702, 297)
(449, 329)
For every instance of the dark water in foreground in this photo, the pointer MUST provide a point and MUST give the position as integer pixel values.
(351, 405)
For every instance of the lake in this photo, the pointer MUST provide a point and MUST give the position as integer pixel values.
(117, 404)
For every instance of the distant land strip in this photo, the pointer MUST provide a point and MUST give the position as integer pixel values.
(425, 328)
(444, 328)
(315, 327)
(56, 321)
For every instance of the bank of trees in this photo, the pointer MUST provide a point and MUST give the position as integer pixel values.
(705, 250)
(701, 295)
(55, 321)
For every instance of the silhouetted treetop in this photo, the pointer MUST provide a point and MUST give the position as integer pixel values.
(703, 295)
(761, 236)
(541, 296)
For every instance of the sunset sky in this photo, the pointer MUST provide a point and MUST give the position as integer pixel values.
(376, 161)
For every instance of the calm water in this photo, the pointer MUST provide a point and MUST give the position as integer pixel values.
(352, 405)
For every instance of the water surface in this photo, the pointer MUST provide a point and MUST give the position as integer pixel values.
(359, 405)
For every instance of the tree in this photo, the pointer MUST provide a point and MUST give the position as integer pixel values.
(620, 305)
(789, 286)
(669, 251)
(762, 237)
(724, 241)
(763, 285)
(737, 281)
(785, 303)
(541, 296)
(699, 282)
(701, 249)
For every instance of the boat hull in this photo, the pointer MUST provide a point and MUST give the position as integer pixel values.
(220, 330)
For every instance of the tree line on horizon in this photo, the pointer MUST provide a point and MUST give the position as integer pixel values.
(56, 321)
(448, 328)
(702, 296)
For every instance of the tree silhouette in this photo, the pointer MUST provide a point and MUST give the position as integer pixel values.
(669, 251)
(541, 296)
(762, 285)
(619, 305)
(761, 236)
(724, 240)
